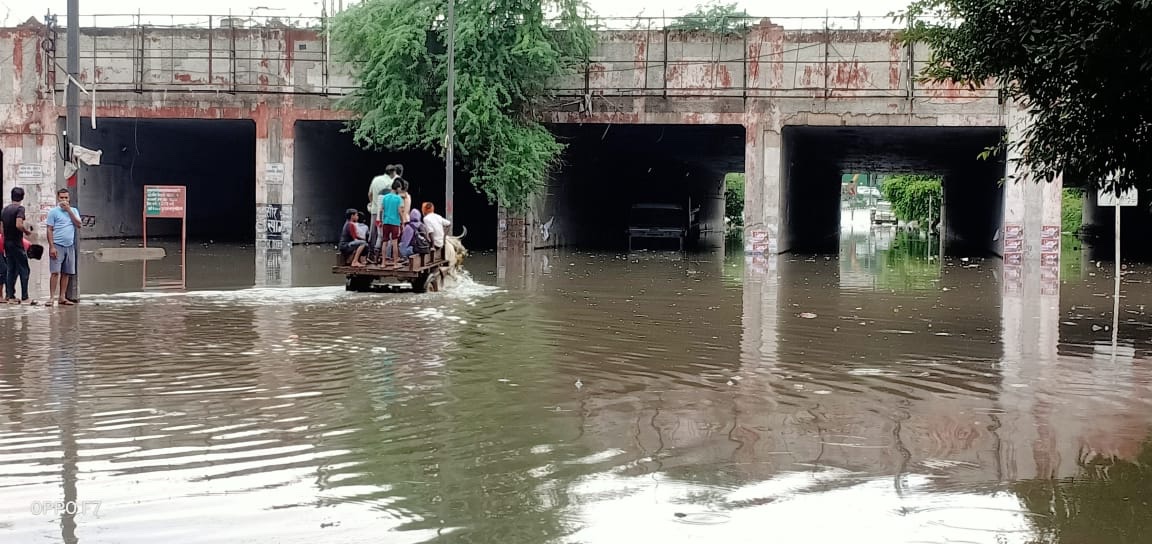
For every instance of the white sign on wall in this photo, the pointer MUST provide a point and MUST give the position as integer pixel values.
(274, 172)
(30, 171)
(1109, 198)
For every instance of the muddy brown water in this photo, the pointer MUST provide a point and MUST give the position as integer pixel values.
(574, 397)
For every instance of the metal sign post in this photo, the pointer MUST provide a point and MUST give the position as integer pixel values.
(168, 202)
(1117, 200)
(450, 136)
(72, 123)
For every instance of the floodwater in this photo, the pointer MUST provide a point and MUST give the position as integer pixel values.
(883, 396)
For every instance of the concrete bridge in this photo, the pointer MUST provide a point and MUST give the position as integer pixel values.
(243, 113)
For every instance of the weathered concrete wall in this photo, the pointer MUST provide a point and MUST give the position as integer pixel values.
(764, 80)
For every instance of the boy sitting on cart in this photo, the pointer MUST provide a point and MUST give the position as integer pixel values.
(352, 242)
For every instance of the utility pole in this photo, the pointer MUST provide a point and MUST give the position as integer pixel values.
(450, 136)
(73, 122)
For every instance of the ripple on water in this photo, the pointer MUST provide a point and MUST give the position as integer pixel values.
(637, 398)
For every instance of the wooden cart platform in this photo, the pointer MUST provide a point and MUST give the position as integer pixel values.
(422, 272)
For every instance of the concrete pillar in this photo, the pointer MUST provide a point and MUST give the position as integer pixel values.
(1031, 209)
(512, 231)
(764, 173)
(1031, 307)
(274, 152)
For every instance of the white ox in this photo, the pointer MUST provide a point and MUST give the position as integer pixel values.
(454, 254)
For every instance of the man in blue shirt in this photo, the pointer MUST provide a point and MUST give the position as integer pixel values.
(390, 216)
(63, 222)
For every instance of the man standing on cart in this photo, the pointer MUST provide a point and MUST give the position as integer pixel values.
(379, 186)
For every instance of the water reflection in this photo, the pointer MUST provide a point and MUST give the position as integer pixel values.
(583, 397)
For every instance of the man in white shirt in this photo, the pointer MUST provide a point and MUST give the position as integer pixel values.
(379, 185)
(438, 227)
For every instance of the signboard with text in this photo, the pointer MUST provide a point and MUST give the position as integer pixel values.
(1109, 198)
(29, 172)
(164, 201)
(168, 202)
(274, 172)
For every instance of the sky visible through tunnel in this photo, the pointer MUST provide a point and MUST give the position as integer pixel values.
(13, 12)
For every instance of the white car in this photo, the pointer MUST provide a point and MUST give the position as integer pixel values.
(882, 213)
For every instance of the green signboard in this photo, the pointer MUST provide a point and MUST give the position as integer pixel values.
(164, 201)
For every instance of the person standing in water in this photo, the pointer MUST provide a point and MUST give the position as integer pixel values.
(15, 227)
(63, 224)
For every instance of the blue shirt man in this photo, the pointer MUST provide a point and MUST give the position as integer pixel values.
(63, 221)
(63, 229)
(391, 211)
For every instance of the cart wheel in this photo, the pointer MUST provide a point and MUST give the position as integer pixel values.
(358, 284)
(428, 282)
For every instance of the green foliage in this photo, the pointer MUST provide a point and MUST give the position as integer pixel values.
(1080, 67)
(713, 17)
(506, 52)
(734, 198)
(913, 197)
(1072, 211)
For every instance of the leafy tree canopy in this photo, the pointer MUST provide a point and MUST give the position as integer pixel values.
(1082, 68)
(713, 17)
(914, 197)
(506, 52)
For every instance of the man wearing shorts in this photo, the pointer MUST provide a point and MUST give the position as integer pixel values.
(63, 222)
(390, 216)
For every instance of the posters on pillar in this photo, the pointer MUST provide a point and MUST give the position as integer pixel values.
(1013, 279)
(1013, 258)
(759, 242)
(1050, 260)
(1050, 246)
(760, 265)
(1013, 243)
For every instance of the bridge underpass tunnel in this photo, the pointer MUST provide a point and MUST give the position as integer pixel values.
(331, 174)
(614, 176)
(816, 158)
(214, 159)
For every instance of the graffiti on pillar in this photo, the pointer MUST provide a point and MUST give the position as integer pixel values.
(271, 226)
(272, 260)
(274, 227)
(87, 221)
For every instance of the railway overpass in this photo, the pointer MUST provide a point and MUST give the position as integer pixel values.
(244, 113)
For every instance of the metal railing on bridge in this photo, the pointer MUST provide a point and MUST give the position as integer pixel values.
(818, 56)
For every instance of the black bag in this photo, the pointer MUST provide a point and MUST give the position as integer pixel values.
(420, 243)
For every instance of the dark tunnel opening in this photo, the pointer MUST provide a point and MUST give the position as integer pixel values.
(332, 174)
(215, 160)
(815, 158)
(618, 176)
